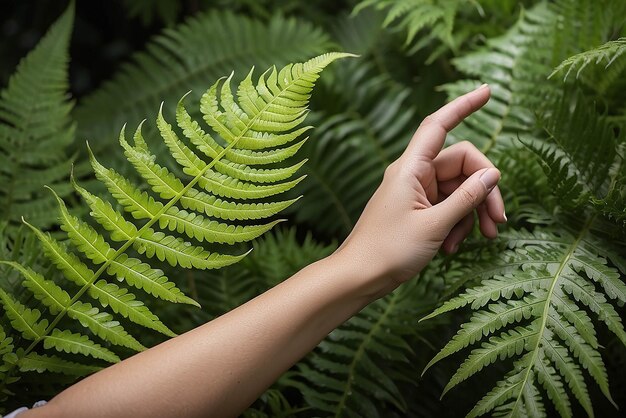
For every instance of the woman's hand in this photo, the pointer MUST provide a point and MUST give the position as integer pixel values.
(426, 201)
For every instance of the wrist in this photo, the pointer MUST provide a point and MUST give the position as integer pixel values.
(364, 279)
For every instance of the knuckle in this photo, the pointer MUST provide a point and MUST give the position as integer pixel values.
(467, 145)
(469, 197)
(391, 171)
(429, 120)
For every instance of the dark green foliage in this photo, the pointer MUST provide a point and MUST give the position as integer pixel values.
(182, 59)
(538, 302)
(36, 130)
(538, 312)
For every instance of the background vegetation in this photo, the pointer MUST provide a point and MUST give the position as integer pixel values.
(546, 298)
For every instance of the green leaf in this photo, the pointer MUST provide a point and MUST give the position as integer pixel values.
(70, 342)
(36, 129)
(33, 362)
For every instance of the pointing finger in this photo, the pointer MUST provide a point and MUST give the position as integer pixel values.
(431, 135)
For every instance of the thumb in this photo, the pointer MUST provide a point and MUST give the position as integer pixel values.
(471, 193)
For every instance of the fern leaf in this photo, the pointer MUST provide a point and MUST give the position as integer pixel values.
(24, 320)
(484, 323)
(551, 381)
(575, 175)
(560, 357)
(36, 129)
(608, 59)
(494, 289)
(505, 390)
(584, 292)
(143, 206)
(506, 345)
(42, 362)
(136, 273)
(415, 15)
(363, 127)
(564, 265)
(587, 355)
(102, 324)
(108, 294)
(211, 148)
(74, 343)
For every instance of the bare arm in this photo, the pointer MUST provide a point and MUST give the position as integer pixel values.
(425, 202)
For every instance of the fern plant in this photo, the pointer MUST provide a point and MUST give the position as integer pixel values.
(184, 57)
(248, 133)
(608, 62)
(536, 302)
(431, 25)
(415, 15)
(36, 130)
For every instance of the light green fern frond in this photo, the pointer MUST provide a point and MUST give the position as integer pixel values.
(36, 129)
(222, 167)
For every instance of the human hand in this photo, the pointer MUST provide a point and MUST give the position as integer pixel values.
(426, 201)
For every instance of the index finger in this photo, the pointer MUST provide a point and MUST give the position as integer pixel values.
(431, 134)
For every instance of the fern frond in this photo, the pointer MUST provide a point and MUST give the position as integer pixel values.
(542, 309)
(70, 342)
(203, 47)
(265, 121)
(610, 58)
(513, 65)
(33, 362)
(579, 178)
(413, 16)
(36, 129)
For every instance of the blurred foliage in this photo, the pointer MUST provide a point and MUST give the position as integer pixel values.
(127, 56)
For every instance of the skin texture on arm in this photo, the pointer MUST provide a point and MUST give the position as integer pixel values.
(425, 202)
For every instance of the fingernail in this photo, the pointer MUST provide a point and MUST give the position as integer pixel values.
(482, 86)
(455, 248)
(490, 178)
(504, 216)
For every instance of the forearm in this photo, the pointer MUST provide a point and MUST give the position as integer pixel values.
(221, 367)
